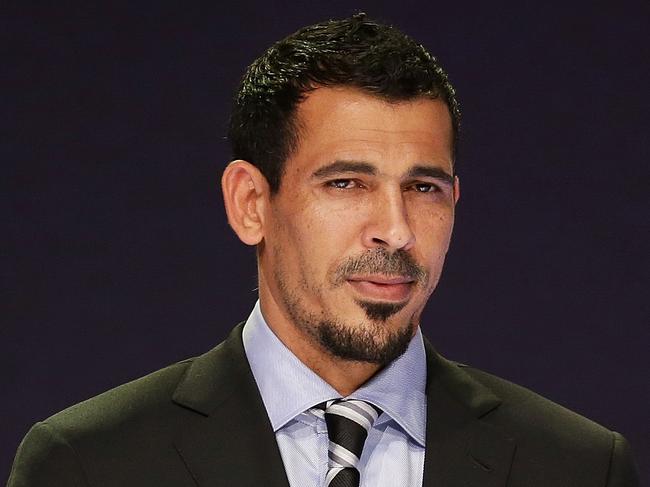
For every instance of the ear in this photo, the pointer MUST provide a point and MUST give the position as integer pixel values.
(245, 194)
(456, 189)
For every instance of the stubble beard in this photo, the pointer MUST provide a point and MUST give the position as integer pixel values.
(368, 341)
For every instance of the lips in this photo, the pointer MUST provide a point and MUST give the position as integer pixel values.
(382, 287)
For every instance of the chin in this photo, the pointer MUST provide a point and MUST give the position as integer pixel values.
(381, 311)
(370, 342)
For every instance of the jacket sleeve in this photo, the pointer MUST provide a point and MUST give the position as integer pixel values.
(45, 458)
(622, 470)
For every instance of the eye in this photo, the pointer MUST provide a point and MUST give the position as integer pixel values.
(426, 188)
(342, 184)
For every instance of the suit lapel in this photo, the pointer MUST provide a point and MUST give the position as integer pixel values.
(227, 439)
(461, 449)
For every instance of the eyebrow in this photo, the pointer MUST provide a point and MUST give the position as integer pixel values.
(338, 167)
(431, 172)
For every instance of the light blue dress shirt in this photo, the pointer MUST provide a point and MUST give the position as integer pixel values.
(394, 451)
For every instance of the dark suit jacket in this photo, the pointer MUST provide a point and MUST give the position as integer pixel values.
(202, 422)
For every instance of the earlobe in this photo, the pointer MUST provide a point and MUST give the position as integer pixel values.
(244, 192)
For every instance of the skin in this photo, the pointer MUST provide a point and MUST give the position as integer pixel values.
(362, 221)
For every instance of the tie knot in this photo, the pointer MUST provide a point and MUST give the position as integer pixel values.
(348, 423)
(361, 412)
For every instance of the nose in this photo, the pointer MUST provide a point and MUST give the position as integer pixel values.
(388, 226)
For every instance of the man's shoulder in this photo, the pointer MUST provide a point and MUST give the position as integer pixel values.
(527, 410)
(548, 434)
(547, 443)
(515, 409)
(185, 387)
(122, 424)
(138, 401)
(131, 434)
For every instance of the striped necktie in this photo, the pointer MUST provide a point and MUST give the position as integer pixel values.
(348, 424)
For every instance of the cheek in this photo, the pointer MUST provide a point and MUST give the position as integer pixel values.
(433, 236)
(432, 227)
(302, 241)
(333, 223)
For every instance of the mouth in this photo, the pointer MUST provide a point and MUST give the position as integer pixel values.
(382, 288)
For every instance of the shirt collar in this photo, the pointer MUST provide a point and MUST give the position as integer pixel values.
(398, 389)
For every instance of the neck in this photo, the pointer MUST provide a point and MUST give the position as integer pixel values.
(345, 376)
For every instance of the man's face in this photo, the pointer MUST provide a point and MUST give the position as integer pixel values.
(356, 237)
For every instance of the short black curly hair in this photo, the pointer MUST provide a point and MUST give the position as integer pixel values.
(356, 52)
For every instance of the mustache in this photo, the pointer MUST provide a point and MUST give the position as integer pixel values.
(380, 261)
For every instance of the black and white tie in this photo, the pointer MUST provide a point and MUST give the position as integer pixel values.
(348, 424)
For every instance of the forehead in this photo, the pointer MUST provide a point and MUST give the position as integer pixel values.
(347, 124)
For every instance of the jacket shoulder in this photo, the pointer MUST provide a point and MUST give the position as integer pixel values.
(128, 403)
(129, 435)
(105, 437)
(554, 443)
(528, 411)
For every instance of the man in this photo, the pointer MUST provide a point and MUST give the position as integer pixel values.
(344, 137)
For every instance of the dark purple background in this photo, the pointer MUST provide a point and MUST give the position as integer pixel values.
(117, 258)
